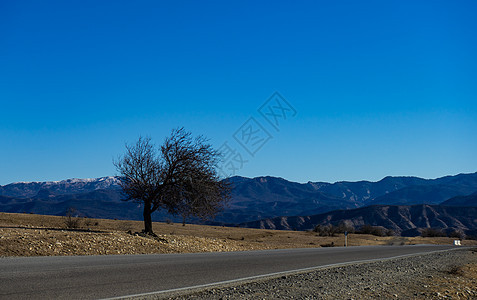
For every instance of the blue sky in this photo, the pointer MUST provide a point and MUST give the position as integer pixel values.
(379, 87)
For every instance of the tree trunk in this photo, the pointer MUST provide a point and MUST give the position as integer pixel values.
(147, 218)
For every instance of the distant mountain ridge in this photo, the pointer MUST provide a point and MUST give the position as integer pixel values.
(389, 189)
(252, 198)
(68, 186)
(404, 220)
(464, 201)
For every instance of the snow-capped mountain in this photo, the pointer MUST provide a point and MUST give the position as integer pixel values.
(63, 187)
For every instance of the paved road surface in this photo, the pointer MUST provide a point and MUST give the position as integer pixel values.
(96, 277)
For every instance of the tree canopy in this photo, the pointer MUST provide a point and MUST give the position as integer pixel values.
(180, 176)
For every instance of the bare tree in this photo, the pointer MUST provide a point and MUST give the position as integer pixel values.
(180, 177)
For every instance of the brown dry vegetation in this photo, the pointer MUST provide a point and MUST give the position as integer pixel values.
(38, 235)
(458, 282)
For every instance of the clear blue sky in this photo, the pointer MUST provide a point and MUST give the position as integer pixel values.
(379, 87)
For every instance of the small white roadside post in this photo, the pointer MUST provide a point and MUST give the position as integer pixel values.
(346, 238)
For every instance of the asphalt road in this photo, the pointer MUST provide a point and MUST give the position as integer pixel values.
(96, 277)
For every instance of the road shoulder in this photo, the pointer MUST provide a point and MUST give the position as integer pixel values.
(429, 276)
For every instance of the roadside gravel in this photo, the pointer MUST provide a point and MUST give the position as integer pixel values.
(443, 275)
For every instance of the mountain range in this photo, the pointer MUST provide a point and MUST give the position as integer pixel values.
(406, 220)
(263, 197)
(256, 201)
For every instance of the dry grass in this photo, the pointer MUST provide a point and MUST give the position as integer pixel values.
(29, 234)
(459, 282)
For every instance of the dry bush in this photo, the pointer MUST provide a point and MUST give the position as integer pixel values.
(71, 219)
(433, 232)
(459, 234)
(374, 230)
(327, 230)
(456, 270)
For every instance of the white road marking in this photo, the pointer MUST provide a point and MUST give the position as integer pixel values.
(270, 275)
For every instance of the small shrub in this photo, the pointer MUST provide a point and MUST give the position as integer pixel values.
(459, 234)
(374, 230)
(433, 232)
(71, 219)
(87, 222)
(343, 227)
(328, 230)
(456, 270)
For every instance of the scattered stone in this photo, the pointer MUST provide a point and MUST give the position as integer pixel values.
(382, 281)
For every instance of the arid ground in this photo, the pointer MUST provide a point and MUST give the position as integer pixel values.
(39, 235)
